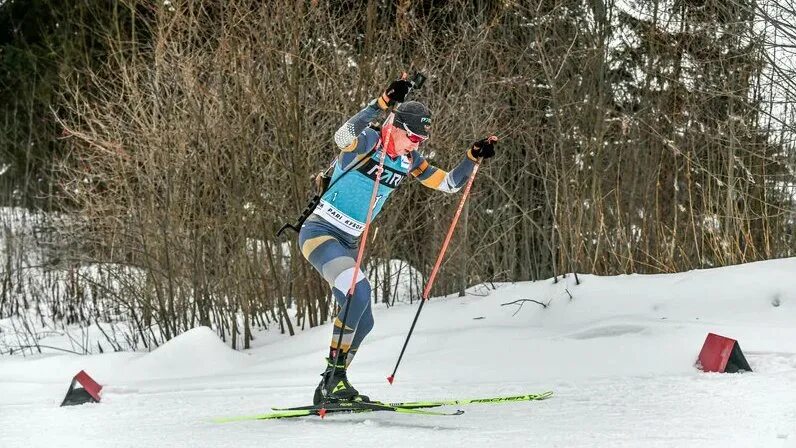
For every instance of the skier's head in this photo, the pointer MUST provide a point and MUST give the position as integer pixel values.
(414, 117)
(411, 126)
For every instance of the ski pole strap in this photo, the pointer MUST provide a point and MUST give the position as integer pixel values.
(417, 81)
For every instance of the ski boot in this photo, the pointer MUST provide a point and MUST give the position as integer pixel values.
(335, 387)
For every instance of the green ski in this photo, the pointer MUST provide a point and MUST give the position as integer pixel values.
(334, 408)
(433, 404)
(492, 400)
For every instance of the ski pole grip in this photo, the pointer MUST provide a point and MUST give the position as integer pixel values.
(417, 80)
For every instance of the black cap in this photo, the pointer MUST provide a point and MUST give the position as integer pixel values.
(415, 116)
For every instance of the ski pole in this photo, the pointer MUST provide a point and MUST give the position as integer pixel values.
(434, 271)
(417, 82)
(362, 243)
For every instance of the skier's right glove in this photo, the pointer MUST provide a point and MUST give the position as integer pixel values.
(484, 148)
(395, 93)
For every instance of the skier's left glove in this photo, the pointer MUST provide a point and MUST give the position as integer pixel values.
(396, 92)
(484, 148)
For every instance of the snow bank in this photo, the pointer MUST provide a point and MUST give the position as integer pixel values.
(195, 353)
(618, 351)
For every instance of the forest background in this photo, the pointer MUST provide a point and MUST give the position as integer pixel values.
(150, 150)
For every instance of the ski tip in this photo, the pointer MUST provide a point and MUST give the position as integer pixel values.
(390, 379)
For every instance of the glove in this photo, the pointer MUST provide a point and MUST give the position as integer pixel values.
(395, 93)
(484, 148)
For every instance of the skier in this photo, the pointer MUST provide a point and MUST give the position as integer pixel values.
(329, 237)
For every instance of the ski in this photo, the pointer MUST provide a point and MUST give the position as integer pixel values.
(433, 404)
(491, 400)
(334, 408)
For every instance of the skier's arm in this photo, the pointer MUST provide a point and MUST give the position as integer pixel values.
(350, 135)
(439, 179)
(353, 137)
(450, 182)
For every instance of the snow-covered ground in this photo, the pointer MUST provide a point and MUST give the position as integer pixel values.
(619, 353)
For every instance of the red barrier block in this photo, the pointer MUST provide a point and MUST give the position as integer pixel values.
(89, 390)
(721, 354)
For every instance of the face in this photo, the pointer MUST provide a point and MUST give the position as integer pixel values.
(404, 142)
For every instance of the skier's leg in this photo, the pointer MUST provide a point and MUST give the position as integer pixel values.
(333, 256)
(359, 305)
(363, 328)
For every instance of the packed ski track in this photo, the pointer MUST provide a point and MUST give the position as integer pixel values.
(618, 352)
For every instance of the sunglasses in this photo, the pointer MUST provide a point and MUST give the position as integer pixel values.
(414, 138)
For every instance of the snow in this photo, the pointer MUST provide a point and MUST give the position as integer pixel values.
(617, 351)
